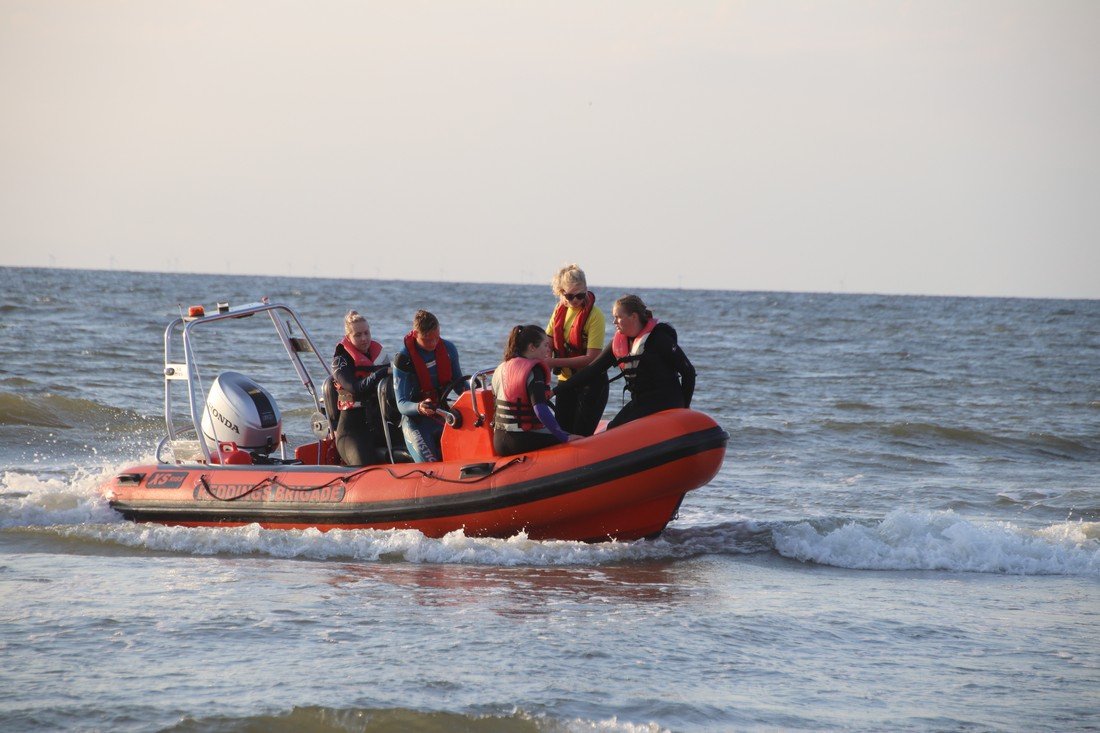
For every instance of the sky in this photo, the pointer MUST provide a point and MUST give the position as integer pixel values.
(942, 147)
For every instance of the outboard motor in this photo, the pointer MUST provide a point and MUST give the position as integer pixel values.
(240, 411)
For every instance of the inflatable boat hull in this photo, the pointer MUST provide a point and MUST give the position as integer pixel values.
(623, 484)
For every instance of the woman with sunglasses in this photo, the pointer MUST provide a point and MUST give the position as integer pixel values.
(576, 330)
(523, 420)
(658, 374)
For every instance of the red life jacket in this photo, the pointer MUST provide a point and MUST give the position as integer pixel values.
(629, 353)
(423, 376)
(514, 408)
(346, 400)
(362, 360)
(577, 343)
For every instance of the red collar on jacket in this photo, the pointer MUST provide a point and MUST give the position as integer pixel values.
(620, 345)
(423, 376)
(361, 359)
(575, 344)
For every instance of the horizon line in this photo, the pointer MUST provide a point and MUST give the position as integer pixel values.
(761, 291)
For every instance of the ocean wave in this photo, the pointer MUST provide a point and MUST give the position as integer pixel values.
(910, 433)
(854, 405)
(34, 500)
(326, 719)
(943, 540)
(52, 410)
(367, 545)
(733, 537)
(73, 510)
(1076, 504)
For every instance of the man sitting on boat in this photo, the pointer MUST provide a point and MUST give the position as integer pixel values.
(421, 370)
(356, 373)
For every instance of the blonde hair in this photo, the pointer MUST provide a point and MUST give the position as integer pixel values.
(570, 274)
(350, 319)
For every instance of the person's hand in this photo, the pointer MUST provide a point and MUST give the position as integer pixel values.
(426, 407)
(571, 437)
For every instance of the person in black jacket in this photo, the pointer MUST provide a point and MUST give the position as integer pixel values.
(658, 374)
(356, 371)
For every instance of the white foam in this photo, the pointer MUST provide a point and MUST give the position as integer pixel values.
(613, 724)
(29, 500)
(544, 722)
(943, 540)
(904, 540)
(73, 507)
(366, 545)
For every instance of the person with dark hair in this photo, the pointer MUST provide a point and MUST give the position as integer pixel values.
(576, 330)
(523, 420)
(356, 375)
(658, 374)
(425, 366)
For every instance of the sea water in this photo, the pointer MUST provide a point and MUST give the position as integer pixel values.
(905, 534)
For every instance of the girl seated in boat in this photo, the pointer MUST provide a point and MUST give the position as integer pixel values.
(356, 371)
(658, 374)
(524, 420)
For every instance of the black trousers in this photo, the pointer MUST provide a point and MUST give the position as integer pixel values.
(511, 442)
(579, 410)
(647, 404)
(357, 442)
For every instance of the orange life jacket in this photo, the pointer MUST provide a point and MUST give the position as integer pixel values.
(514, 409)
(629, 353)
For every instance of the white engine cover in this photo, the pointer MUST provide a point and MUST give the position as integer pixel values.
(240, 411)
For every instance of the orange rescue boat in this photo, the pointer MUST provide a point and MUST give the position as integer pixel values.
(623, 484)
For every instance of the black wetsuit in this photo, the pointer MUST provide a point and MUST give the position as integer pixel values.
(579, 410)
(358, 430)
(664, 379)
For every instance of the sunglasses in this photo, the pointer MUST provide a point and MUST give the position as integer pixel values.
(575, 296)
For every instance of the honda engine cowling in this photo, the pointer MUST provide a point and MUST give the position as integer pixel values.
(240, 411)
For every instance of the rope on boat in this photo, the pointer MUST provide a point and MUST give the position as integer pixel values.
(430, 474)
(274, 480)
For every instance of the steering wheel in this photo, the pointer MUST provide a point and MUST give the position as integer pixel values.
(451, 386)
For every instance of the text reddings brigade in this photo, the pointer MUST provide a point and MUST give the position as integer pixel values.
(227, 492)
